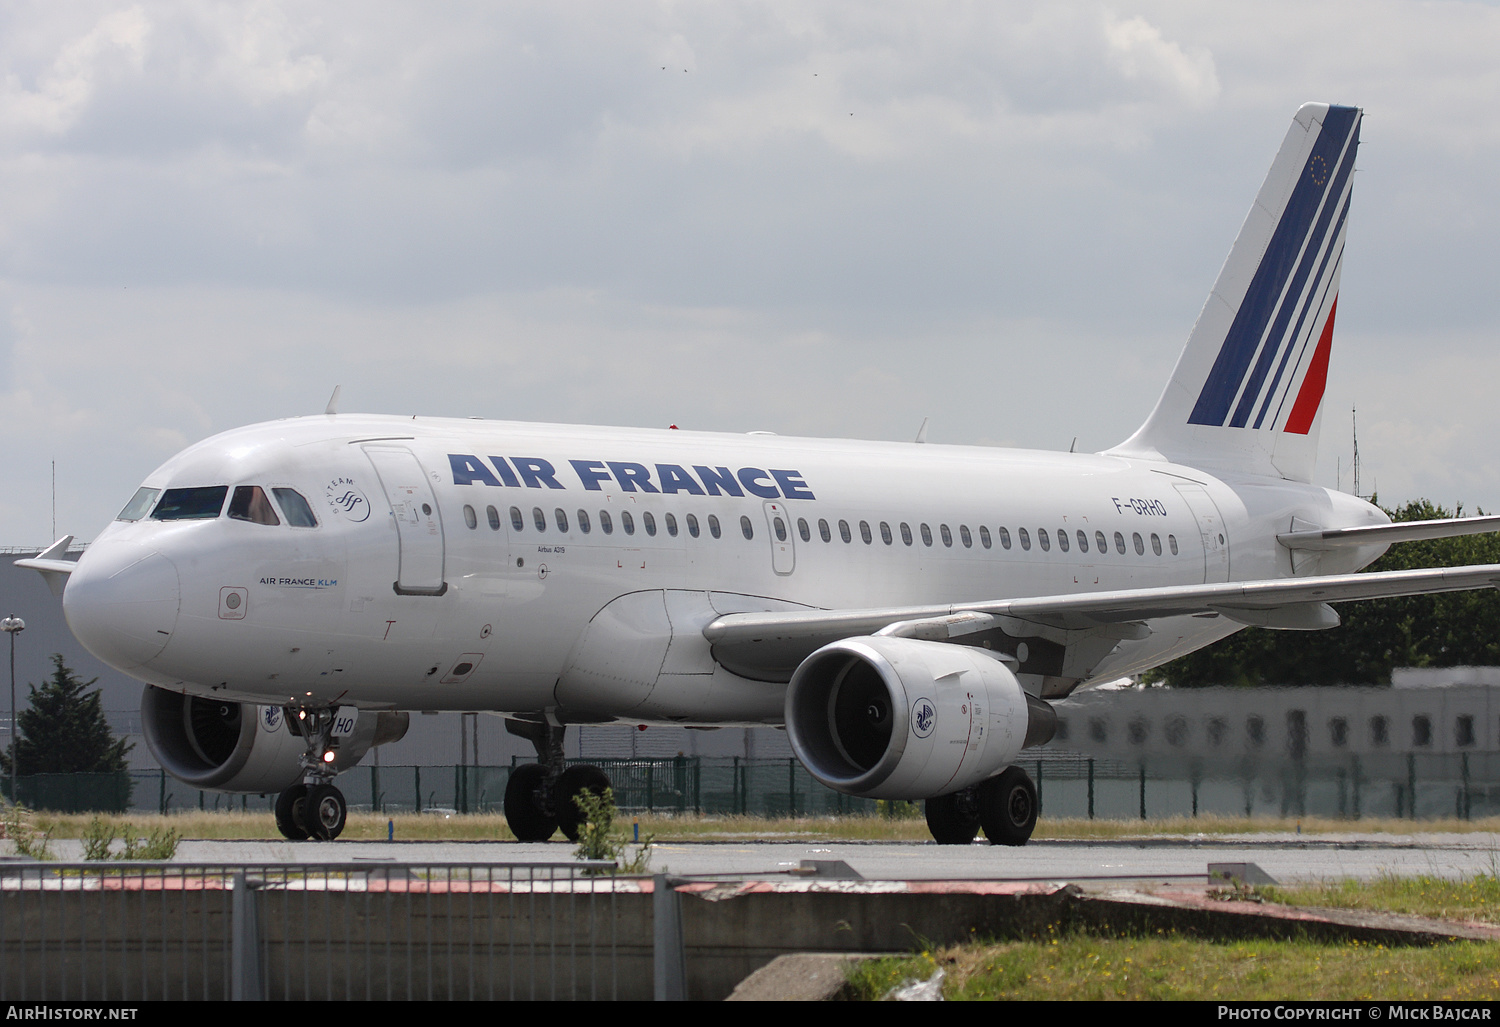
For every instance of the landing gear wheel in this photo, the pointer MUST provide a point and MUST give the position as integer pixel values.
(1008, 807)
(529, 821)
(953, 819)
(325, 812)
(574, 781)
(289, 805)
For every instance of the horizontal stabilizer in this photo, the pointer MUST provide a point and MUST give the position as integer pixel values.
(51, 565)
(1319, 540)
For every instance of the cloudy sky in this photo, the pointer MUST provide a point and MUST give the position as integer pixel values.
(813, 218)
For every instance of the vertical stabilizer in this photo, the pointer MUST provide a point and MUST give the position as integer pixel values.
(1247, 392)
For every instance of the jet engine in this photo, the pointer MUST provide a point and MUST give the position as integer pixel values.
(234, 747)
(901, 718)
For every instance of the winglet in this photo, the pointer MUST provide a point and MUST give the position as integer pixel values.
(922, 432)
(51, 564)
(333, 401)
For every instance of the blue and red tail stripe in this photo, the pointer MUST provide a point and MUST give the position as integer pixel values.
(1305, 244)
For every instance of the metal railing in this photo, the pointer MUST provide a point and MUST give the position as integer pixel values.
(151, 931)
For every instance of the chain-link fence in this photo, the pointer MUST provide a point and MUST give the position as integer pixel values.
(1398, 785)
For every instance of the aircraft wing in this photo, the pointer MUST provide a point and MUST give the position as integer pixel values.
(1279, 602)
(50, 563)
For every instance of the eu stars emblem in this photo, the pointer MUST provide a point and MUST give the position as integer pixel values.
(1317, 170)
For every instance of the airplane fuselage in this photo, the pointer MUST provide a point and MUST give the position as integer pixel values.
(464, 564)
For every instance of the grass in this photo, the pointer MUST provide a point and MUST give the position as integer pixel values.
(194, 824)
(1081, 966)
(1475, 899)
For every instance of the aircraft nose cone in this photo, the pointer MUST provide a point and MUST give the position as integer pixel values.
(122, 602)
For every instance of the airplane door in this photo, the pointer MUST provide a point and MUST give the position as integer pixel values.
(419, 526)
(1210, 530)
(783, 553)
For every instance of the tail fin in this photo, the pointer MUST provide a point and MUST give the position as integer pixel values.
(1246, 392)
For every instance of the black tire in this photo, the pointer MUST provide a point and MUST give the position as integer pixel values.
(524, 813)
(289, 806)
(579, 778)
(325, 812)
(1008, 807)
(953, 819)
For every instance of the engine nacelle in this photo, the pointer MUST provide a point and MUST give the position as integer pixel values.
(234, 747)
(901, 718)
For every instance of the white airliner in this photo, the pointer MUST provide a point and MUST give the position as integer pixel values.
(907, 611)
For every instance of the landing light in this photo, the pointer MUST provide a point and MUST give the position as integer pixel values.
(328, 756)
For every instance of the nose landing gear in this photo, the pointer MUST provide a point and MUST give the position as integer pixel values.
(314, 808)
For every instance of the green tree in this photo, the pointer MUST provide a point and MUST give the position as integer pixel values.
(1450, 629)
(63, 730)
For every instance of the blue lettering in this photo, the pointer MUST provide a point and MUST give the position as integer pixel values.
(506, 474)
(631, 475)
(715, 479)
(588, 475)
(675, 479)
(469, 469)
(792, 485)
(535, 472)
(750, 475)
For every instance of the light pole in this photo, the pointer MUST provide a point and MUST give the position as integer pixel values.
(12, 626)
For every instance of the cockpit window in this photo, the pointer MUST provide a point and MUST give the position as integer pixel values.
(299, 514)
(250, 504)
(190, 504)
(139, 505)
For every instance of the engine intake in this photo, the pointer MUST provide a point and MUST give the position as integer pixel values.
(901, 718)
(234, 747)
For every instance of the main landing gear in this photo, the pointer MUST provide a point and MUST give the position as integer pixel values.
(1005, 807)
(315, 808)
(541, 797)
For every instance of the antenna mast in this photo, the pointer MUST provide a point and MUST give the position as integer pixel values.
(1354, 421)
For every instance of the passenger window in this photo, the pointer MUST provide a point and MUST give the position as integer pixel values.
(780, 526)
(713, 526)
(844, 532)
(648, 519)
(905, 533)
(1119, 543)
(671, 524)
(1062, 539)
(692, 523)
(190, 504)
(298, 513)
(494, 516)
(984, 536)
(250, 504)
(606, 523)
(885, 533)
(583, 521)
(139, 505)
(1025, 538)
(926, 534)
(471, 519)
(538, 518)
(965, 537)
(1083, 541)
(627, 522)
(803, 529)
(864, 532)
(1140, 546)
(1172, 544)
(1004, 537)
(1044, 539)
(1100, 542)
(823, 532)
(516, 521)
(746, 528)
(1156, 543)
(947, 535)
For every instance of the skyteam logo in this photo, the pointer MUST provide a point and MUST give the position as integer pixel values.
(1271, 370)
(347, 500)
(923, 717)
